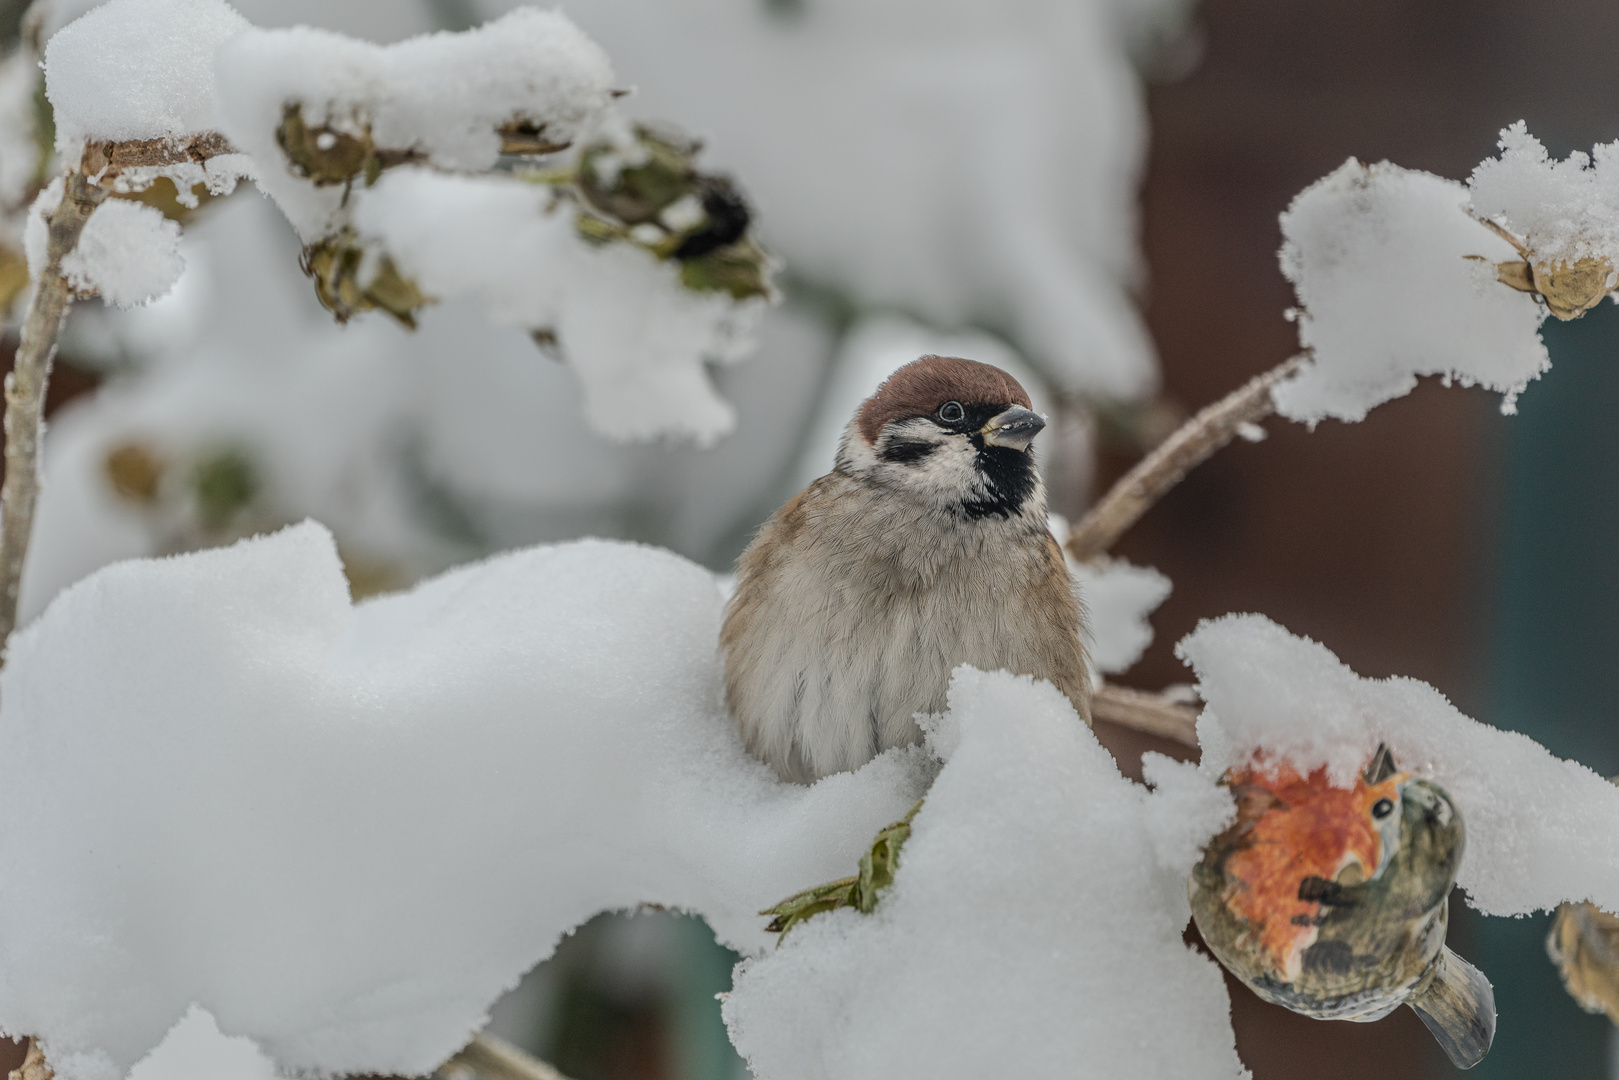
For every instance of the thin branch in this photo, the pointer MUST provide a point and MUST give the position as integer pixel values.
(25, 387)
(1143, 711)
(149, 153)
(496, 1059)
(1187, 448)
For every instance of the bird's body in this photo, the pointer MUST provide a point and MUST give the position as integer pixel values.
(926, 548)
(1332, 901)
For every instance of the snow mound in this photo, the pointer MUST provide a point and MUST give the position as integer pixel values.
(136, 69)
(1539, 829)
(1565, 210)
(1395, 280)
(1029, 931)
(194, 1049)
(128, 253)
(344, 831)
(442, 96)
(638, 340)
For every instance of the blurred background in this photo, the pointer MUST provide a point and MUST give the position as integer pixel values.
(1084, 191)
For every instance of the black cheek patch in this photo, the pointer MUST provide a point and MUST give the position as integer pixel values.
(907, 451)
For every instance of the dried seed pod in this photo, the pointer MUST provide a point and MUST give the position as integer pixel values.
(135, 471)
(1568, 289)
(349, 280)
(1584, 944)
(1332, 901)
(322, 154)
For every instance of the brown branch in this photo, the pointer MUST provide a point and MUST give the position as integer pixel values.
(85, 188)
(25, 387)
(496, 1059)
(148, 153)
(1187, 448)
(33, 1066)
(1147, 712)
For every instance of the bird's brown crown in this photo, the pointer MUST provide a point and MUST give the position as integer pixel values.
(922, 386)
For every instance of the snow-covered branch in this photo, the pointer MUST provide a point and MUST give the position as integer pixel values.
(25, 386)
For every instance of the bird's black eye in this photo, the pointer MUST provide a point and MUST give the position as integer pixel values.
(951, 412)
(1382, 809)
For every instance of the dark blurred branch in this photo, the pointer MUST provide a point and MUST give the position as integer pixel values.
(1146, 712)
(496, 1059)
(1187, 448)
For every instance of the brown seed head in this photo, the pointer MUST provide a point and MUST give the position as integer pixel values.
(920, 387)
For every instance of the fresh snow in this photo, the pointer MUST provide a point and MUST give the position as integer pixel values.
(136, 69)
(1395, 280)
(128, 253)
(1566, 210)
(1119, 597)
(1029, 931)
(345, 831)
(638, 340)
(1539, 829)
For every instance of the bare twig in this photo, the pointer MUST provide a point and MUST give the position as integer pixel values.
(84, 189)
(25, 387)
(148, 153)
(1155, 474)
(496, 1059)
(1143, 711)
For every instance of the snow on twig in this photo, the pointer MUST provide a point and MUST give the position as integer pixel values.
(25, 386)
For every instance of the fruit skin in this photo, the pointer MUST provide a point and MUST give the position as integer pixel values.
(1332, 901)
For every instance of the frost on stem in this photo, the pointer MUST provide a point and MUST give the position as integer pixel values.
(25, 386)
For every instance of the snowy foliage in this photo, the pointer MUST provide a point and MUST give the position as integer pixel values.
(326, 864)
(1538, 828)
(1395, 280)
(1565, 210)
(637, 338)
(969, 164)
(441, 96)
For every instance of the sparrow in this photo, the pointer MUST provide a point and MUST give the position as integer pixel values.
(925, 547)
(1332, 902)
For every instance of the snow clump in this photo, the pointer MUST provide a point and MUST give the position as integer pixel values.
(636, 337)
(135, 70)
(128, 253)
(1118, 596)
(1395, 279)
(1029, 930)
(1563, 210)
(1539, 829)
(345, 831)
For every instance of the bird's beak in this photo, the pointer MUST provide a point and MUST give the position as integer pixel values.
(1014, 428)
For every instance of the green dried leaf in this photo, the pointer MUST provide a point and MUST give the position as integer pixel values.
(225, 482)
(741, 269)
(336, 263)
(861, 892)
